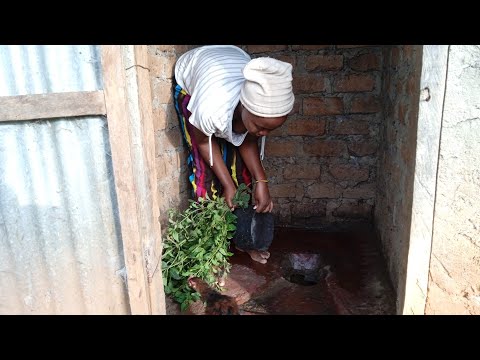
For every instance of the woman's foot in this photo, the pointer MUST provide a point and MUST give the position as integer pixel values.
(257, 255)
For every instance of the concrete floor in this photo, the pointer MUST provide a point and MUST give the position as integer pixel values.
(309, 272)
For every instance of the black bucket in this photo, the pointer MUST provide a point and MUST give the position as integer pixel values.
(254, 230)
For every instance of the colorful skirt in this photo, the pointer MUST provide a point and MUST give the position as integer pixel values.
(201, 176)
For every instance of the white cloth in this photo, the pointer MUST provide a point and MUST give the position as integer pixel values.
(267, 90)
(217, 77)
(212, 76)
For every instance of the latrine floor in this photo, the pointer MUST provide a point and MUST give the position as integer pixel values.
(310, 273)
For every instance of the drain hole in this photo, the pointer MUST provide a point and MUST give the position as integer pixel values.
(301, 279)
(302, 269)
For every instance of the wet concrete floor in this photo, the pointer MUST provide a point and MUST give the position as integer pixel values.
(310, 273)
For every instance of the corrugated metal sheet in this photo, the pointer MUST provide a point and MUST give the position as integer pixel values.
(60, 241)
(40, 69)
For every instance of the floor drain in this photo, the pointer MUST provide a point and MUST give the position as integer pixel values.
(301, 279)
(302, 269)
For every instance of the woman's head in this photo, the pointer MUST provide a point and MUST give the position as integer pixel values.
(267, 95)
(267, 89)
(258, 125)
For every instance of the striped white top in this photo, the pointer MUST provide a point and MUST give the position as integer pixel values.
(212, 76)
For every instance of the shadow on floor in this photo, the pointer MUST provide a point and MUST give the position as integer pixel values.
(310, 272)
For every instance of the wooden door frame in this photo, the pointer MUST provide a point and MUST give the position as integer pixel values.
(126, 101)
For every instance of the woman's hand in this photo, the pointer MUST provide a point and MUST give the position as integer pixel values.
(262, 199)
(228, 194)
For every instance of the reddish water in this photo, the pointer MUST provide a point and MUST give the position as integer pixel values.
(312, 272)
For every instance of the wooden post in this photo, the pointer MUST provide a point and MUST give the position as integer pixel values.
(141, 114)
(121, 144)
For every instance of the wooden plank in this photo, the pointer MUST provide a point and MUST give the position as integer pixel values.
(121, 146)
(153, 244)
(141, 60)
(54, 105)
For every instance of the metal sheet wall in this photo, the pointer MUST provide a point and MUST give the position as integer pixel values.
(60, 241)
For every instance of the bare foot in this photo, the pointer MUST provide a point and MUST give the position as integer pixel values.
(257, 255)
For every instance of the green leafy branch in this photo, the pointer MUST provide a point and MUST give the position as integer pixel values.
(197, 244)
(242, 196)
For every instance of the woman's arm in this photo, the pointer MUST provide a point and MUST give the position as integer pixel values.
(251, 157)
(219, 167)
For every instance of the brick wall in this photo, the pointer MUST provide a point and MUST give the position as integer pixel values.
(396, 158)
(322, 162)
(170, 154)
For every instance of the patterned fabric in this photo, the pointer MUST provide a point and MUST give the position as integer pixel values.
(201, 177)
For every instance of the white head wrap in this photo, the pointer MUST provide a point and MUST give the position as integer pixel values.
(267, 90)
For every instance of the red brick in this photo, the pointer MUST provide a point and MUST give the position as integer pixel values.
(349, 172)
(323, 106)
(315, 221)
(160, 141)
(362, 191)
(353, 210)
(349, 127)
(161, 66)
(323, 191)
(167, 140)
(160, 167)
(174, 138)
(280, 148)
(395, 56)
(180, 49)
(408, 52)
(156, 65)
(168, 191)
(365, 62)
(369, 104)
(172, 116)
(400, 86)
(355, 82)
(265, 48)
(281, 130)
(288, 58)
(362, 148)
(168, 164)
(325, 148)
(165, 47)
(387, 82)
(310, 47)
(282, 190)
(407, 153)
(307, 171)
(413, 84)
(303, 210)
(308, 84)
(282, 213)
(324, 62)
(159, 118)
(169, 67)
(297, 106)
(401, 112)
(162, 89)
(306, 127)
(412, 121)
(174, 164)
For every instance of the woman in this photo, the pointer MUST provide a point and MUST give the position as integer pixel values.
(226, 101)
